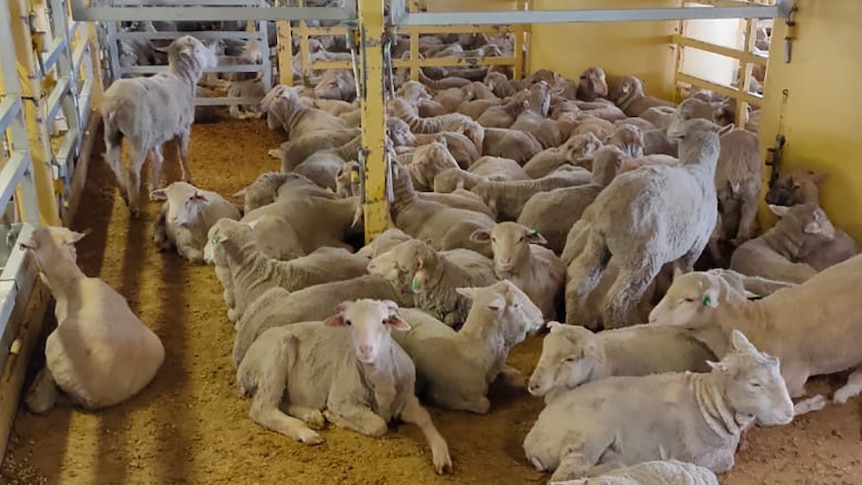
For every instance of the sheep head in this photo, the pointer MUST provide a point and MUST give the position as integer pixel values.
(580, 146)
(592, 84)
(628, 87)
(370, 323)
(691, 298)
(629, 139)
(804, 220)
(399, 132)
(51, 244)
(796, 187)
(189, 50)
(510, 243)
(506, 308)
(607, 163)
(569, 355)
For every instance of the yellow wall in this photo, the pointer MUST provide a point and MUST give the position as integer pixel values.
(642, 49)
(822, 120)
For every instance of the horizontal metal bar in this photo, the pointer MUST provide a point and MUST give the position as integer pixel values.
(158, 69)
(183, 3)
(54, 50)
(225, 101)
(9, 109)
(429, 62)
(60, 90)
(597, 15)
(11, 173)
(720, 50)
(416, 29)
(227, 34)
(749, 98)
(200, 13)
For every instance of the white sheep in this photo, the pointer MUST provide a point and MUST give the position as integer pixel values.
(284, 109)
(810, 337)
(455, 368)
(433, 278)
(507, 199)
(151, 111)
(519, 258)
(691, 417)
(346, 370)
(186, 217)
(383, 242)
(657, 472)
(573, 356)
(100, 354)
(647, 218)
(570, 152)
(253, 272)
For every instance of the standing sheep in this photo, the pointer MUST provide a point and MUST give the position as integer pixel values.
(649, 217)
(100, 354)
(152, 111)
(695, 418)
(346, 370)
(519, 258)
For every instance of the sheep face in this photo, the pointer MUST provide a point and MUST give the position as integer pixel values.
(510, 243)
(188, 49)
(224, 238)
(804, 219)
(569, 354)
(51, 245)
(607, 164)
(539, 99)
(511, 309)
(795, 187)
(689, 109)
(370, 323)
(428, 161)
(580, 146)
(627, 88)
(592, 84)
(689, 297)
(753, 383)
(413, 91)
(399, 132)
(630, 139)
(334, 84)
(407, 265)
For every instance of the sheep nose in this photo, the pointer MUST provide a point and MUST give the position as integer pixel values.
(365, 350)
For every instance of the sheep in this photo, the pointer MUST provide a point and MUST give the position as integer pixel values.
(659, 116)
(459, 146)
(629, 139)
(656, 472)
(691, 417)
(507, 199)
(100, 354)
(383, 242)
(400, 108)
(282, 103)
(629, 95)
(336, 84)
(519, 146)
(253, 272)
(574, 149)
(573, 356)
(251, 54)
(186, 216)
(434, 277)
(776, 254)
(151, 111)
(637, 122)
(519, 258)
(632, 164)
(356, 377)
(602, 109)
(649, 217)
(503, 115)
(603, 129)
(297, 150)
(271, 186)
(795, 187)
(738, 181)
(592, 84)
(750, 286)
(455, 369)
(427, 161)
(483, 169)
(322, 168)
(253, 88)
(554, 213)
(656, 142)
(814, 339)
(278, 307)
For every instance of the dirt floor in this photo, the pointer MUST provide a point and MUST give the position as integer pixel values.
(191, 427)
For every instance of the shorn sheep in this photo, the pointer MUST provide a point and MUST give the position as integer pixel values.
(346, 370)
(658, 472)
(638, 221)
(100, 354)
(152, 111)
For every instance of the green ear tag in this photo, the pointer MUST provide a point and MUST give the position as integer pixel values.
(415, 286)
(216, 239)
(705, 301)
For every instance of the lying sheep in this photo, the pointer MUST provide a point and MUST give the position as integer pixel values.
(271, 186)
(592, 84)
(296, 150)
(815, 339)
(776, 254)
(657, 472)
(554, 213)
(444, 227)
(795, 187)
(402, 109)
(459, 146)
(455, 369)
(151, 111)
(597, 126)
(322, 167)
(433, 278)
(629, 95)
(186, 216)
(750, 286)
(573, 356)
(283, 105)
(357, 377)
(516, 145)
(695, 418)
(383, 242)
(100, 354)
(507, 199)
(649, 217)
(519, 258)
(277, 307)
(574, 149)
(427, 161)
(253, 272)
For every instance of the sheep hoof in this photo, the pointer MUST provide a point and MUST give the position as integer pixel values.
(315, 420)
(309, 437)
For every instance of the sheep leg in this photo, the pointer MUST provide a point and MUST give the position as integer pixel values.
(573, 465)
(851, 389)
(626, 292)
(43, 393)
(183, 147)
(114, 147)
(155, 170)
(357, 418)
(587, 268)
(513, 378)
(748, 212)
(414, 413)
(815, 403)
(312, 417)
(139, 155)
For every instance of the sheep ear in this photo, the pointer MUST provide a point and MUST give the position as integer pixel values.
(336, 320)
(72, 236)
(720, 366)
(740, 343)
(710, 298)
(779, 210)
(395, 322)
(466, 292)
(253, 223)
(533, 237)
(159, 195)
(481, 236)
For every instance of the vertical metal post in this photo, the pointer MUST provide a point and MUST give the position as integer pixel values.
(371, 29)
(743, 84)
(35, 113)
(414, 56)
(284, 50)
(263, 32)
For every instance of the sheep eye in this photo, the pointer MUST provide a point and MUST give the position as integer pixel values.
(689, 300)
(755, 384)
(348, 323)
(493, 239)
(569, 359)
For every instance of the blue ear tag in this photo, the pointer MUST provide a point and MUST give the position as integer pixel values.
(705, 301)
